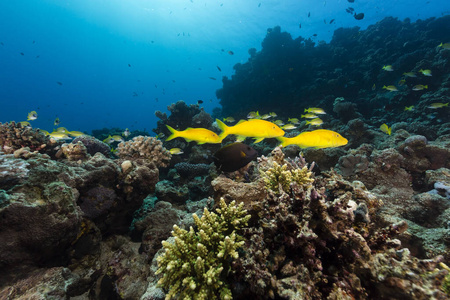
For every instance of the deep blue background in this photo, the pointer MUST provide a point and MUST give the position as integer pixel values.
(172, 47)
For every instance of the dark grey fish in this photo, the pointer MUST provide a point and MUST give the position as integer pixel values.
(234, 156)
(359, 16)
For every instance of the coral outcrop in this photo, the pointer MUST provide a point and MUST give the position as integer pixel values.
(195, 263)
(146, 148)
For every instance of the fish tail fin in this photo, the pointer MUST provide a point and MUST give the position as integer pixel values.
(425, 86)
(175, 133)
(389, 130)
(307, 122)
(283, 141)
(223, 127)
(446, 104)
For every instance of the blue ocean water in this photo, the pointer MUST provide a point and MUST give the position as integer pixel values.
(113, 63)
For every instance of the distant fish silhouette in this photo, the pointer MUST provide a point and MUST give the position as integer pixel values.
(212, 78)
(218, 68)
(59, 82)
(359, 16)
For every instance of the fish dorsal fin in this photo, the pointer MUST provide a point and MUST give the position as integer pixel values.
(257, 140)
(240, 121)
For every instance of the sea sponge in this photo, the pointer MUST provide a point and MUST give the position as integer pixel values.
(145, 147)
(195, 264)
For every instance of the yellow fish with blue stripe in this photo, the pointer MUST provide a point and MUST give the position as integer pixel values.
(199, 135)
(321, 138)
(254, 128)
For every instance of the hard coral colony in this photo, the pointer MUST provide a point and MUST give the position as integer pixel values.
(321, 216)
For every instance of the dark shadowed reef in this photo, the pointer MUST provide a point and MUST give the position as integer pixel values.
(289, 75)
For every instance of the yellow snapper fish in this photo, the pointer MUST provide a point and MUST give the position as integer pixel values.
(321, 138)
(388, 68)
(56, 122)
(266, 116)
(25, 124)
(294, 120)
(288, 127)
(401, 82)
(315, 110)
(229, 120)
(62, 129)
(409, 108)
(44, 131)
(426, 72)
(445, 46)
(126, 132)
(308, 116)
(391, 88)
(386, 129)
(273, 115)
(410, 74)
(32, 116)
(176, 151)
(437, 105)
(253, 115)
(199, 135)
(76, 133)
(59, 135)
(315, 122)
(117, 138)
(278, 122)
(419, 87)
(108, 140)
(258, 129)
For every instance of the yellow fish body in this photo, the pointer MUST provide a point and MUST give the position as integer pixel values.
(176, 151)
(75, 133)
(388, 68)
(321, 138)
(437, 105)
(391, 88)
(426, 72)
(386, 129)
(315, 110)
(255, 128)
(199, 135)
(445, 46)
(409, 108)
(32, 116)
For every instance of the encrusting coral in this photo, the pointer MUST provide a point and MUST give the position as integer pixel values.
(194, 266)
(144, 147)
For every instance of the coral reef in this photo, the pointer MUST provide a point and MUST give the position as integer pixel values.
(144, 148)
(74, 151)
(345, 76)
(93, 145)
(14, 136)
(194, 264)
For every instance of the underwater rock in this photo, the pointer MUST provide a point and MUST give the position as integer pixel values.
(39, 223)
(13, 171)
(240, 191)
(188, 170)
(168, 192)
(93, 145)
(97, 201)
(74, 151)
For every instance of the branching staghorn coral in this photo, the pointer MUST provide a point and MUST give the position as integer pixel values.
(192, 266)
(281, 177)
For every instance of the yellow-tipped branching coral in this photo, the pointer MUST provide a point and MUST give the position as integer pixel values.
(195, 264)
